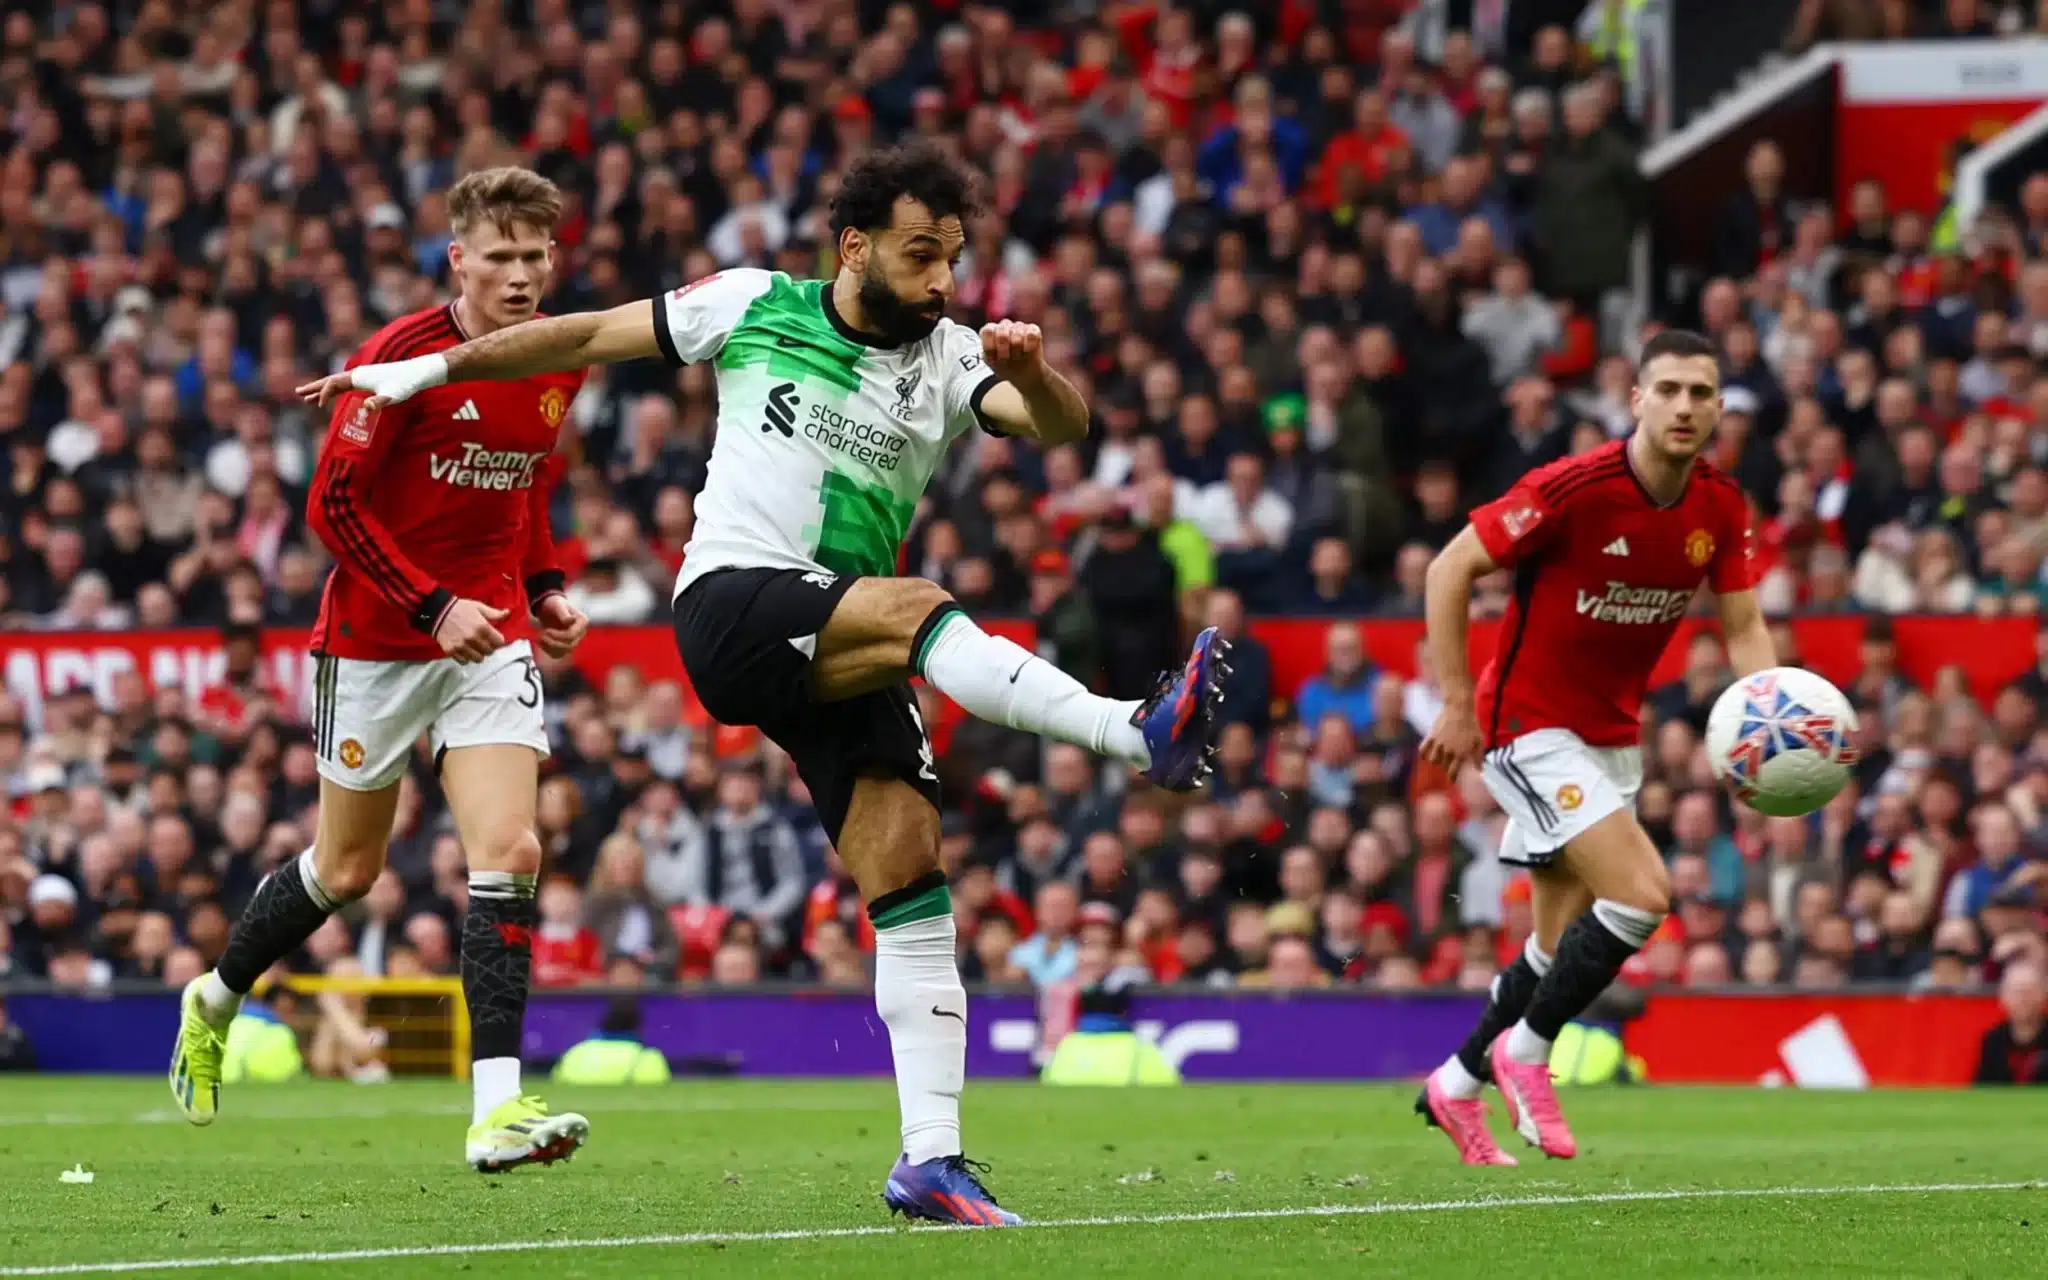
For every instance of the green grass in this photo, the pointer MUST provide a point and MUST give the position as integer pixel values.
(337, 1168)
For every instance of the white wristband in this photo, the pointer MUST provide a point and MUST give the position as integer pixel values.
(402, 379)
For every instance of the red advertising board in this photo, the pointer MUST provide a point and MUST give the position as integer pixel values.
(1820, 1041)
(34, 665)
(1904, 109)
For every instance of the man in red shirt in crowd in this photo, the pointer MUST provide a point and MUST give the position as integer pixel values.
(1365, 146)
(435, 512)
(1608, 549)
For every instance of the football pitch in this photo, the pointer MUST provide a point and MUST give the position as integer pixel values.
(765, 1178)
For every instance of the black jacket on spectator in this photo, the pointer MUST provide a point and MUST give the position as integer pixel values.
(2002, 1058)
(1747, 228)
(1351, 599)
(1886, 963)
(752, 866)
(1069, 638)
(1135, 598)
(1588, 202)
(1248, 691)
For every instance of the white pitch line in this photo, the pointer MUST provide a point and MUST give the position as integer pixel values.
(1117, 1220)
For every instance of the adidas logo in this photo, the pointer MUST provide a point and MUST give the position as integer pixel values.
(1618, 547)
(781, 410)
(468, 413)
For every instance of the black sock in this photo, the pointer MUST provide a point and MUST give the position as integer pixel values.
(497, 960)
(1589, 955)
(1512, 991)
(282, 914)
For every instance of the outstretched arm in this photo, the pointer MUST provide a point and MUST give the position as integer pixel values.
(556, 344)
(553, 345)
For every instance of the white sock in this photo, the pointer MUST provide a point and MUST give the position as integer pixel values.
(314, 889)
(1526, 1046)
(493, 1082)
(918, 994)
(1632, 925)
(1538, 958)
(219, 1004)
(1457, 1082)
(999, 680)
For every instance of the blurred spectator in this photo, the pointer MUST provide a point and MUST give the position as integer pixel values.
(622, 914)
(566, 952)
(1131, 586)
(1248, 689)
(1050, 954)
(1346, 686)
(2016, 1050)
(752, 866)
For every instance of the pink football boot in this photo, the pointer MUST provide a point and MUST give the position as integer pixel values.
(1464, 1119)
(1532, 1102)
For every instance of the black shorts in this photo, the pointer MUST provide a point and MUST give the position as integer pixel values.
(747, 636)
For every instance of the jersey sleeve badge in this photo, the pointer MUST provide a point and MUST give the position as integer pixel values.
(357, 429)
(1699, 548)
(1519, 521)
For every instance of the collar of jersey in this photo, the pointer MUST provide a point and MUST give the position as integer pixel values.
(846, 330)
(1628, 462)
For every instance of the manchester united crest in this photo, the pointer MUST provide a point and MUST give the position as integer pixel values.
(351, 753)
(1569, 797)
(1699, 547)
(553, 404)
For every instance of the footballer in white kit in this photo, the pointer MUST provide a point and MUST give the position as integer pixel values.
(837, 399)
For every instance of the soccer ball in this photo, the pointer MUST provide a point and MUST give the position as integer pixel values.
(1781, 740)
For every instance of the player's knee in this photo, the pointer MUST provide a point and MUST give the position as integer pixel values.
(516, 851)
(346, 872)
(1648, 890)
(921, 599)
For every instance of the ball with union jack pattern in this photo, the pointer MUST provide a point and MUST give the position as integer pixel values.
(1783, 740)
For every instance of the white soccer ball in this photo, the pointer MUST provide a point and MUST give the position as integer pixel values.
(1782, 740)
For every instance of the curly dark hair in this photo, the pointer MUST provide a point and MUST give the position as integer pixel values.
(871, 187)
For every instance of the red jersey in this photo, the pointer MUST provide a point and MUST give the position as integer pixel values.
(444, 495)
(1602, 576)
(565, 956)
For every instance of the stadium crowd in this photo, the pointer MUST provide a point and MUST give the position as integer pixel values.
(1330, 273)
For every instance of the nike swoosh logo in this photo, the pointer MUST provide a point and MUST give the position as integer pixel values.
(1019, 671)
(948, 1013)
(785, 340)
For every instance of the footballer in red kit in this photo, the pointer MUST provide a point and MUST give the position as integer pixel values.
(1603, 574)
(1607, 550)
(443, 497)
(445, 578)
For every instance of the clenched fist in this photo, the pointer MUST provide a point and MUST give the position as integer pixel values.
(1015, 351)
(562, 626)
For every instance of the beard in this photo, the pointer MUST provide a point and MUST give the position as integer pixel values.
(893, 320)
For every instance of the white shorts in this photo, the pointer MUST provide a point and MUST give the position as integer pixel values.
(367, 714)
(1553, 786)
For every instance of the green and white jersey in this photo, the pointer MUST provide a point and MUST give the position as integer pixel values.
(825, 442)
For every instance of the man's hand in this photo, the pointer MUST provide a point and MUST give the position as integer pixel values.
(465, 632)
(1015, 351)
(388, 384)
(562, 625)
(1454, 741)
